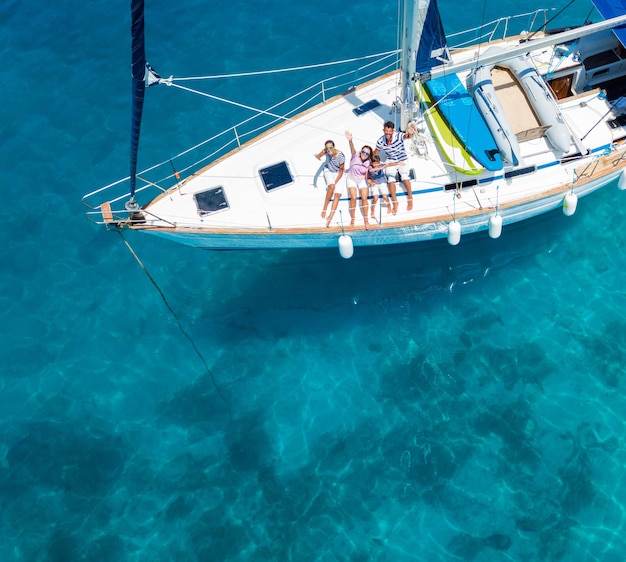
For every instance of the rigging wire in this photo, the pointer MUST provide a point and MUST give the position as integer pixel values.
(399, 26)
(173, 82)
(292, 69)
(545, 25)
(179, 323)
(256, 110)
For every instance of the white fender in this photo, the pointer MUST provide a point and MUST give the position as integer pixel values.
(346, 248)
(454, 232)
(569, 204)
(495, 226)
(542, 102)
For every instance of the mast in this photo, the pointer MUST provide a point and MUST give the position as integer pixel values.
(423, 46)
(407, 81)
(138, 90)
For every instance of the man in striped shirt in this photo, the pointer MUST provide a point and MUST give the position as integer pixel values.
(393, 144)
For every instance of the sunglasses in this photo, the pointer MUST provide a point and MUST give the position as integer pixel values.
(365, 152)
(328, 149)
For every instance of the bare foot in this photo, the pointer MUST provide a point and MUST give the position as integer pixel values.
(394, 209)
(367, 224)
(352, 222)
(324, 213)
(388, 208)
(409, 205)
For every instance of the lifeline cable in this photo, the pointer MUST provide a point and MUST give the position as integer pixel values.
(180, 326)
(547, 23)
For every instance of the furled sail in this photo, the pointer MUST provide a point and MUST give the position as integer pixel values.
(138, 61)
(611, 9)
(423, 46)
(432, 47)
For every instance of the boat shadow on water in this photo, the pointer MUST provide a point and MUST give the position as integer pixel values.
(254, 283)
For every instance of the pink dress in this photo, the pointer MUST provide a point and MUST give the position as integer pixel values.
(358, 171)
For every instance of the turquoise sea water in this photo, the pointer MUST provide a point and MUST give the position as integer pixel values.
(416, 403)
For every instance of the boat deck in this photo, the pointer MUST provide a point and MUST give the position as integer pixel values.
(254, 214)
(299, 204)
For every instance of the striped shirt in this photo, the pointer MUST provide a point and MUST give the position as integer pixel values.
(333, 164)
(395, 151)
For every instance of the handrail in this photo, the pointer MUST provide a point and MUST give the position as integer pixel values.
(234, 137)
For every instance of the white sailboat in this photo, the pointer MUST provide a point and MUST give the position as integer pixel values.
(502, 131)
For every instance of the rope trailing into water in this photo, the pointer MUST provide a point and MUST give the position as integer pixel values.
(180, 326)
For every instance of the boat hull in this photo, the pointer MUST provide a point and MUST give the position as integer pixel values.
(406, 233)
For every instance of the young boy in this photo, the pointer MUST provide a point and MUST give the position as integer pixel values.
(377, 180)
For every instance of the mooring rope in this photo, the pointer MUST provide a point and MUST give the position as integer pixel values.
(180, 325)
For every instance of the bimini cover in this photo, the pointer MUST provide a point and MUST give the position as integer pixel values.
(612, 9)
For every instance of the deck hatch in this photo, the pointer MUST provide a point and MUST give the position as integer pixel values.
(365, 107)
(211, 201)
(275, 176)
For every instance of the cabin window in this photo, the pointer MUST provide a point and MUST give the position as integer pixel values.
(520, 172)
(364, 108)
(211, 201)
(462, 185)
(276, 176)
(600, 72)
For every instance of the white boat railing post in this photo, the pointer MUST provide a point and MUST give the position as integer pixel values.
(237, 137)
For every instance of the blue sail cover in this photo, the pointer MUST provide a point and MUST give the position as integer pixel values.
(432, 40)
(611, 9)
(449, 96)
(138, 61)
